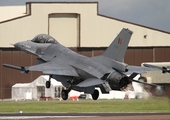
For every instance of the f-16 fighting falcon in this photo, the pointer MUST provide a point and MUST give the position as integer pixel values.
(78, 72)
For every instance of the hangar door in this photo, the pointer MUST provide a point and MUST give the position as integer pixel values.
(65, 28)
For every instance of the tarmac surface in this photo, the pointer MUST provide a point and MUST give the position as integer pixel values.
(86, 116)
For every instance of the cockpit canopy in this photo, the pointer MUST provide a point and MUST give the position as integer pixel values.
(43, 38)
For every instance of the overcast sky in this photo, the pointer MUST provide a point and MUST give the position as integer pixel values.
(152, 13)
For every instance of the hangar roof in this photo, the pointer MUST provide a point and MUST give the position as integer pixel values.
(73, 24)
(19, 11)
(9, 12)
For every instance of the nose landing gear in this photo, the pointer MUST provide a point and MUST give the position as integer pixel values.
(48, 83)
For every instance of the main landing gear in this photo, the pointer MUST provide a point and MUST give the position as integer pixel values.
(64, 94)
(95, 94)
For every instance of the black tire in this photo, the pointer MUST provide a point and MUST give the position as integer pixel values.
(48, 84)
(64, 94)
(95, 95)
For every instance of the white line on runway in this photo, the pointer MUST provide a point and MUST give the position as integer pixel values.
(36, 117)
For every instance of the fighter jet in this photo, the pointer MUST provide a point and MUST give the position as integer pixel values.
(78, 72)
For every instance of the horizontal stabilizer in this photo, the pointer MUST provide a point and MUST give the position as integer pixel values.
(151, 84)
(159, 88)
(91, 82)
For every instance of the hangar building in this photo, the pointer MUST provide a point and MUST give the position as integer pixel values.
(77, 25)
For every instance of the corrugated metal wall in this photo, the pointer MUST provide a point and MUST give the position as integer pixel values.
(136, 56)
(8, 77)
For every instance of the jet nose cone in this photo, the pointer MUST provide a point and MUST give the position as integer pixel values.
(17, 45)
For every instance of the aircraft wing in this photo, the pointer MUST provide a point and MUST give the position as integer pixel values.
(48, 68)
(164, 69)
(138, 69)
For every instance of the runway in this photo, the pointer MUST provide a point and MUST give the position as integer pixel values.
(85, 116)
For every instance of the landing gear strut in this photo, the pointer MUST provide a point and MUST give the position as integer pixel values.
(95, 95)
(48, 83)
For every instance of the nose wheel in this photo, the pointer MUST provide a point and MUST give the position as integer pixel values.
(48, 83)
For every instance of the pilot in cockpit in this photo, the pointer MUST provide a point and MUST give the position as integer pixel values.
(43, 38)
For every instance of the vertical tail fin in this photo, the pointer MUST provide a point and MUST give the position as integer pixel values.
(118, 47)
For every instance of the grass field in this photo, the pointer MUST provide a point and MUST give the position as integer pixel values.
(133, 105)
